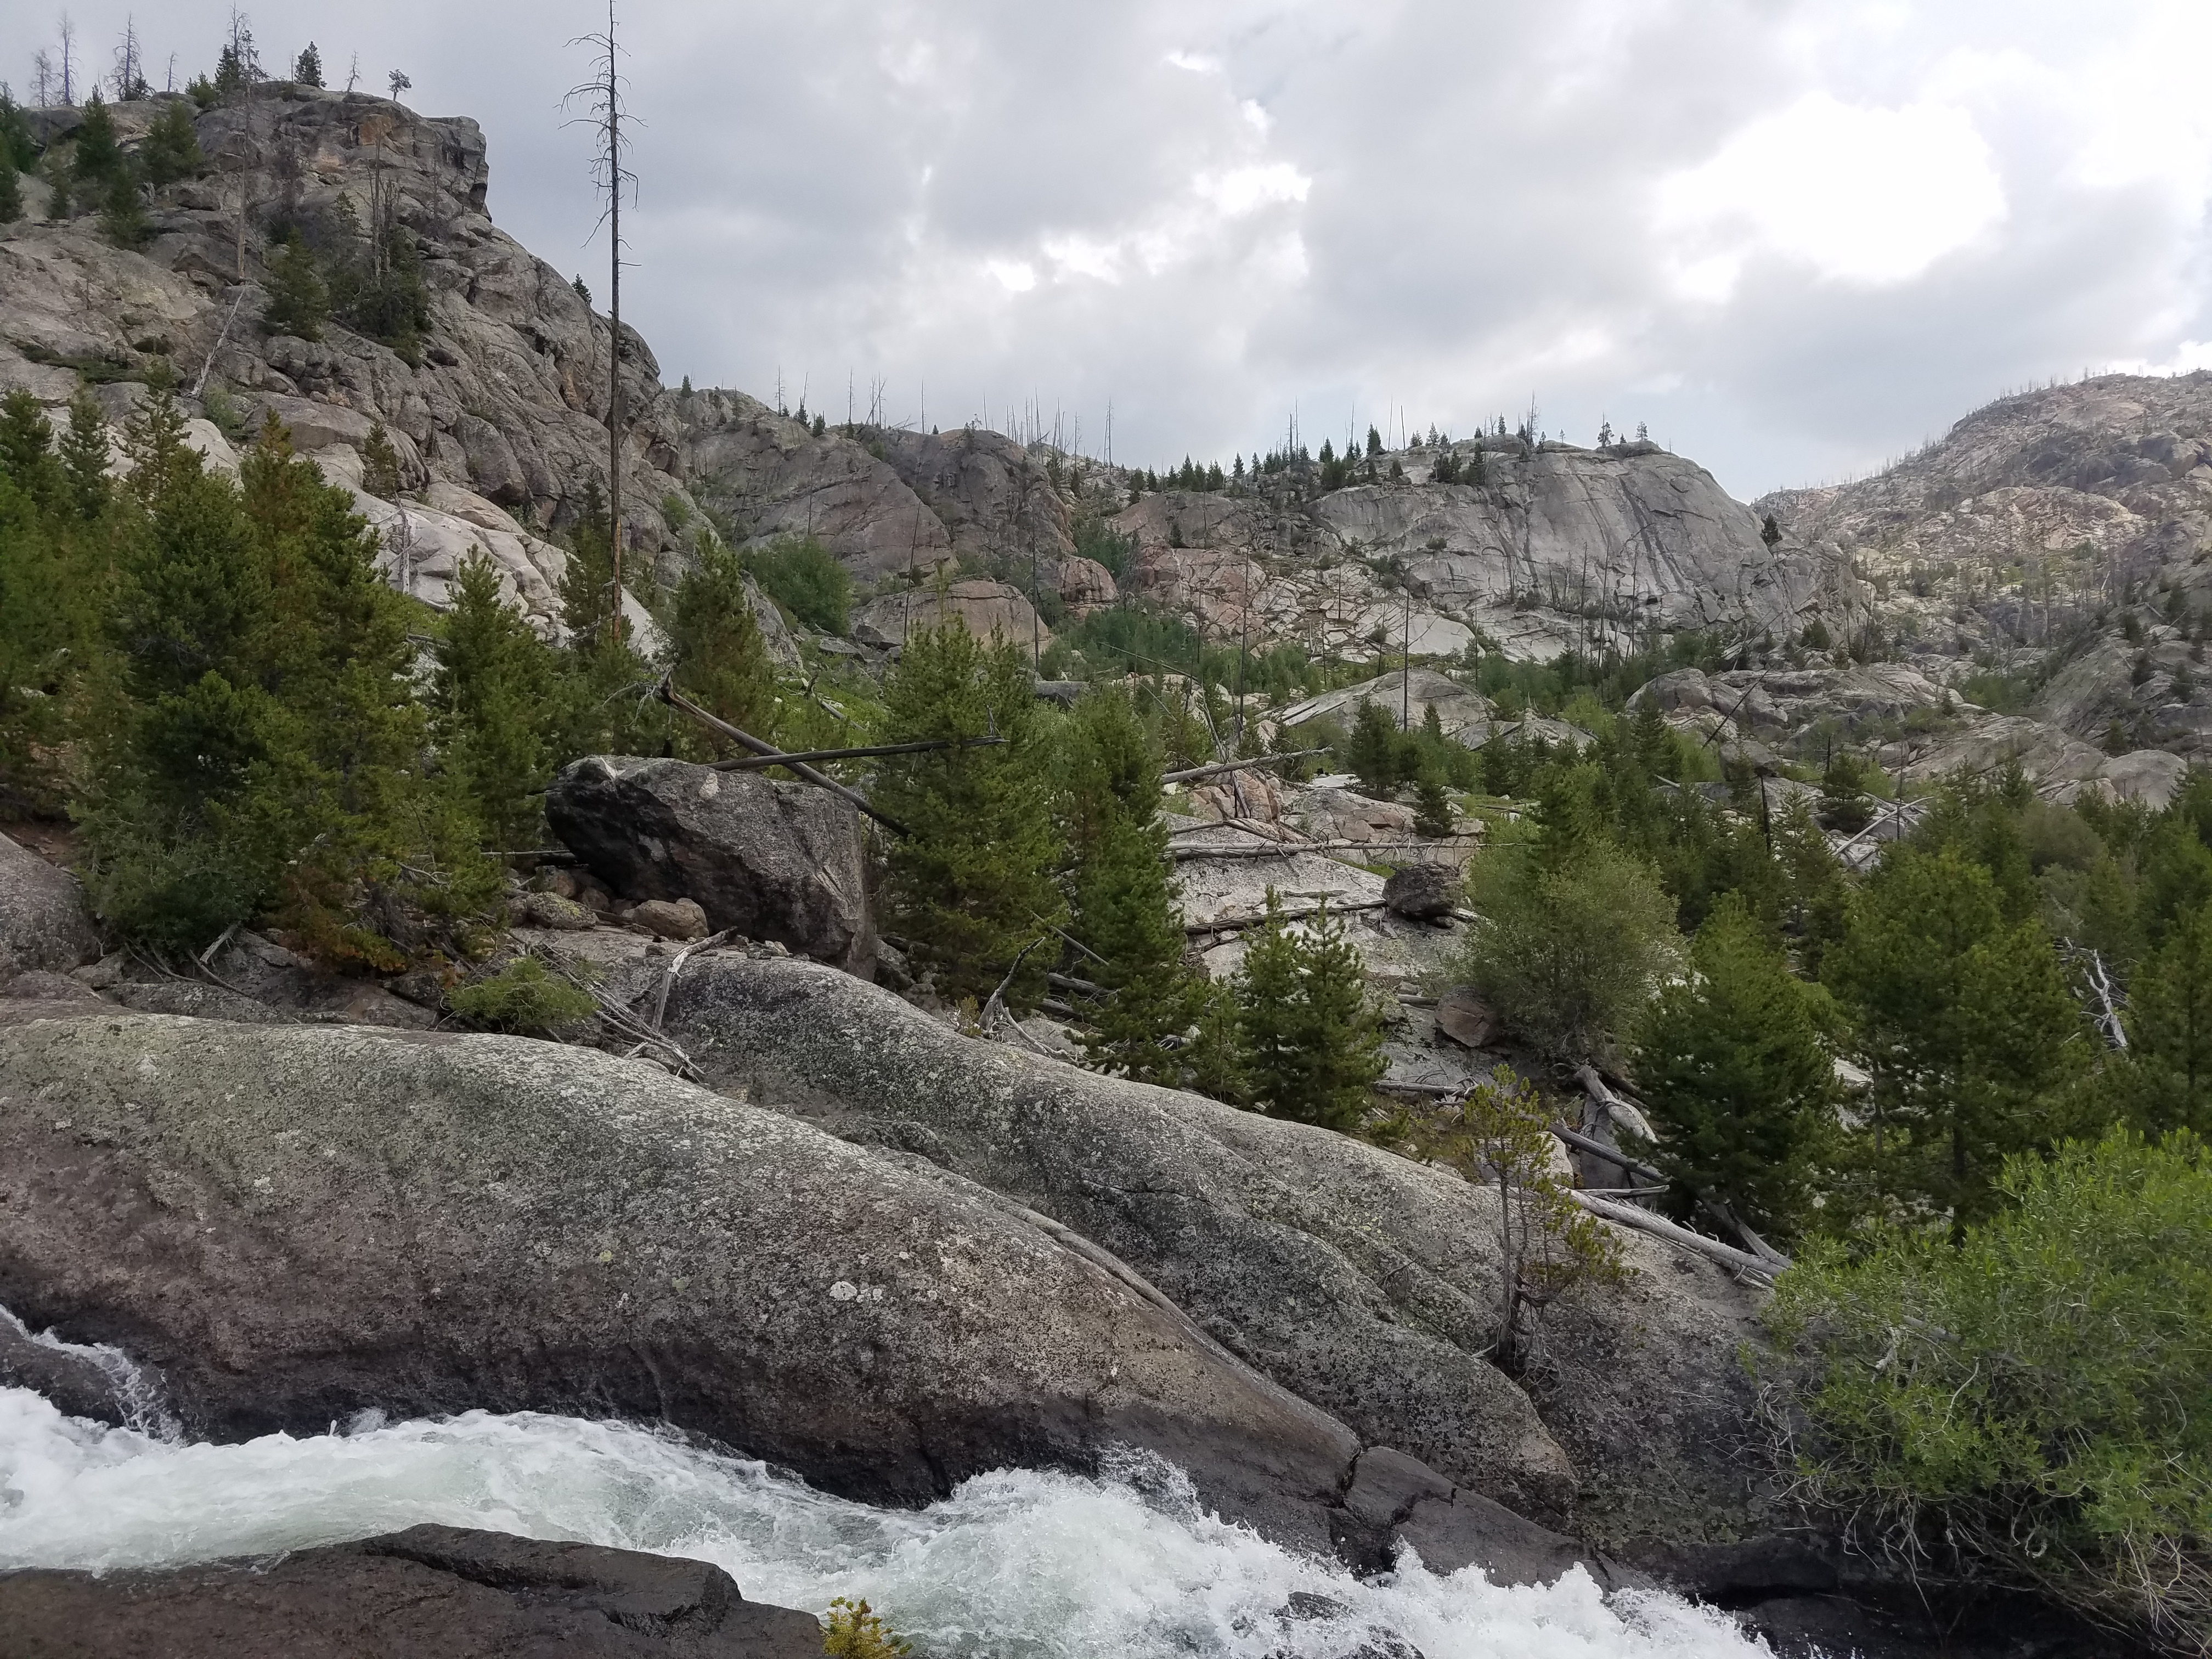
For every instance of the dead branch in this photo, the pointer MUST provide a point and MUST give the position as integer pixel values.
(1233, 924)
(675, 699)
(1643, 1221)
(758, 762)
(1191, 773)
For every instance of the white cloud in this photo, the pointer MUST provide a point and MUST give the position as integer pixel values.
(1243, 189)
(1015, 276)
(1866, 195)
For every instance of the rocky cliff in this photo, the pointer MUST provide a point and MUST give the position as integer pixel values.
(498, 417)
(2063, 534)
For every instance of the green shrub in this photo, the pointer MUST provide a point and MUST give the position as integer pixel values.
(1568, 952)
(805, 578)
(521, 997)
(854, 1632)
(2034, 1405)
(1310, 1044)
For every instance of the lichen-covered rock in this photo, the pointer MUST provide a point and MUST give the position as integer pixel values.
(1364, 1282)
(984, 608)
(44, 921)
(773, 860)
(671, 918)
(295, 1223)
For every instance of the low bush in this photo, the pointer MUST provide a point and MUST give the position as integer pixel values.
(522, 996)
(2033, 1406)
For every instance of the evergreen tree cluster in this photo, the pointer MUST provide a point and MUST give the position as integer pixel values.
(326, 267)
(1044, 845)
(213, 678)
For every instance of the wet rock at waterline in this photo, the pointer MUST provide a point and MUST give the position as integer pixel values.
(1362, 1282)
(44, 922)
(773, 860)
(296, 1223)
(453, 1592)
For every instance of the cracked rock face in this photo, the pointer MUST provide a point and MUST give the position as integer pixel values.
(507, 407)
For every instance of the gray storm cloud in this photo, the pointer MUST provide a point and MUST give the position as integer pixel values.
(1794, 238)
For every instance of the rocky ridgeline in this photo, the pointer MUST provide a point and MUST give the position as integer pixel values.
(2033, 518)
(500, 424)
(2030, 526)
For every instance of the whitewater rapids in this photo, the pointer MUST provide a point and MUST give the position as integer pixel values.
(1016, 1564)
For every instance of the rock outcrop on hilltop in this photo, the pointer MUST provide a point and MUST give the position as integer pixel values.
(499, 422)
(2070, 523)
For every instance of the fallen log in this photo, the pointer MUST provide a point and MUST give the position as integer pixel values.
(1191, 773)
(1643, 1221)
(675, 699)
(1283, 849)
(758, 762)
(1611, 1101)
(1236, 924)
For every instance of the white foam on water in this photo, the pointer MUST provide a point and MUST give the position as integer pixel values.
(1016, 1564)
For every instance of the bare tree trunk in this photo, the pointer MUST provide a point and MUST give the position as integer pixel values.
(614, 320)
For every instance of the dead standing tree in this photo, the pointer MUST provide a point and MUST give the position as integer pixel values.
(606, 113)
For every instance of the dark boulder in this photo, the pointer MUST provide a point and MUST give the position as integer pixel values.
(44, 921)
(444, 1590)
(773, 861)
(1422, 892)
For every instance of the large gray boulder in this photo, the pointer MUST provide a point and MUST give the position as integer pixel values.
(456, 1592)
(44, 922)
(773, 860)
(291, 1223)
(1364, 1282)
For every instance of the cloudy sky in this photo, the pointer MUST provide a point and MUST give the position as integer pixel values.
(1793, 237)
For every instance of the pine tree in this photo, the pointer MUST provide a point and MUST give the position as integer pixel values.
(720, 660)
(1311, 1047)
(122, 211)
(1372, 752)
(1125, 914)
(379, 463)
(172, 148)
(309, 70)
(1432, 810)
(492, 700)
(971, 883)
(99, 152)
(1735, 1064)
(27, 443)
(11, 193)
(299, 299)
(1968, 1025)
(2169, 1027)
(84, 456)
(229, 76)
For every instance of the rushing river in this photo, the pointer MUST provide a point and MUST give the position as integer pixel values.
(1013, 1565)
